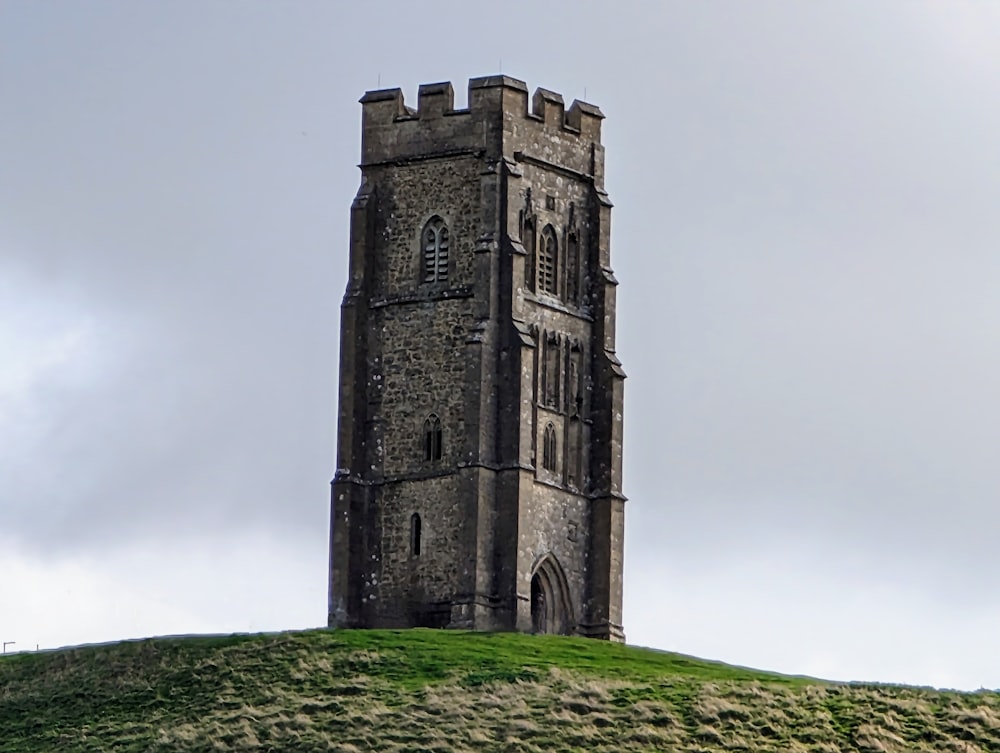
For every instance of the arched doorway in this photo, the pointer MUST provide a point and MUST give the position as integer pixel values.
(538, 623)
(551, 610)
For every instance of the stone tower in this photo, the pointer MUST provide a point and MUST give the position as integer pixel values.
(479, 460)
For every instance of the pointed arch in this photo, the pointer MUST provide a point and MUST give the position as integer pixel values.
(434, 250)
(547, 265)
(432, 438)
(551, 608)
(549, 447)
(415, 535)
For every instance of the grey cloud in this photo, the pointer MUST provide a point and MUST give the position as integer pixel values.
(804, 234)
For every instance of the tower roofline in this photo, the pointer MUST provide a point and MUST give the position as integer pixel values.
(488, 82)
(385, 107)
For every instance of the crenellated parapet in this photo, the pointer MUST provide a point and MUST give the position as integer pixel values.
(498, 122)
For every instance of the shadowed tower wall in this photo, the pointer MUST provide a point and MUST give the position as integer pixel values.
(478, 480)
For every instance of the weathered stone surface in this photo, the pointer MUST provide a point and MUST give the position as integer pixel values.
(502, 334)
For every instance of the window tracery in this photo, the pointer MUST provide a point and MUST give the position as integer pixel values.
(432, 438)
(549, 448)
(547, 263)
(434, 245)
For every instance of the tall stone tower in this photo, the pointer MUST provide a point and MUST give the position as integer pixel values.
(479, 461)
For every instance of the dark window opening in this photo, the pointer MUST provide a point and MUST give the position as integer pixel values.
(538, 607)
(432, 438)
(415, 535)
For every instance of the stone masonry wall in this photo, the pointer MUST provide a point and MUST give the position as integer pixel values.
(422, 373)
(554, 521)
(418, 370)
(554, 516)
(413, 587)
(409, 195)
(472, 350)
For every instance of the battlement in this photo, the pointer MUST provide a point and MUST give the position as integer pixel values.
(491, 98)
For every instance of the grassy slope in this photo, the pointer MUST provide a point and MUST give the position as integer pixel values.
(448, 691)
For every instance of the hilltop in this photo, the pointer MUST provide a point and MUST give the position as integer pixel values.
(424, 690)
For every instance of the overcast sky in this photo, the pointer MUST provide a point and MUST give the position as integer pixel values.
(806, 234)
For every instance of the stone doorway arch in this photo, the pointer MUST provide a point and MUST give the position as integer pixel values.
(551, 609)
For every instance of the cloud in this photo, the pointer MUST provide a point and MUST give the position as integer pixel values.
(964, 31)
(108, 410)
(93, 598)
(804, 232)
(876, 630)
(42, 347)
(816, 213)
(51, 352)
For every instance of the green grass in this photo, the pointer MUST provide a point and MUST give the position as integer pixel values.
(421, 690)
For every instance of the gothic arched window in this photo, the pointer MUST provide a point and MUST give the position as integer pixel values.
(549, 448)
(434, 246)
(415, 535)
(432, 438)
(546, 265)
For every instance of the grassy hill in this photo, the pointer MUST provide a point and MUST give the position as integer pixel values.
(425, 690)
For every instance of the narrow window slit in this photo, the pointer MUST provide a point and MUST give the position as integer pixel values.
(415, 535)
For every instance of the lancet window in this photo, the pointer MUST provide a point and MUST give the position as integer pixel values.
(432, 438)
(547, 256)
(434, 245)
(415, 535)
(549, 447)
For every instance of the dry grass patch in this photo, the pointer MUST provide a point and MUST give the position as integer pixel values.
(351, 691)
